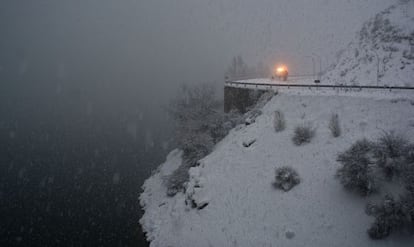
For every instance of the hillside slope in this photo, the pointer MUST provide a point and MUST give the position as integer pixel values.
(244, 209)
(383, 48)
(230, 199)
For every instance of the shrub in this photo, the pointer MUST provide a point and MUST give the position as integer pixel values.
(407, 177)
(407, 207)
(279, 122)
(176, 181)
(197, 146)
(334, 125)
(357, 171)
(390, 214)
(365, 163)
(390, 153)
(223, 125)
(379, 230)
(303, 134)
(392, 145)
(286, 178)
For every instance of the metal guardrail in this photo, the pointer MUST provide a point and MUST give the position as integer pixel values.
(286, 85)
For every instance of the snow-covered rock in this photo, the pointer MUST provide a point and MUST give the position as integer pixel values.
(383, 49)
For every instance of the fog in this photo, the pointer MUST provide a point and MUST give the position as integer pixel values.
(138, 49)
(83, 84)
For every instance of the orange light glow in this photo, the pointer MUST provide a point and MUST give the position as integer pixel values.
(281, 69)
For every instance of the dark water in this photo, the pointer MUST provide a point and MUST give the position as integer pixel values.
(71, 174)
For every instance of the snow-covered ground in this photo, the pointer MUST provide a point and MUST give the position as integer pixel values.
(246, 210)
(235, 182)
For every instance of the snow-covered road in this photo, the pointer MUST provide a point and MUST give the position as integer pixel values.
(290, 80)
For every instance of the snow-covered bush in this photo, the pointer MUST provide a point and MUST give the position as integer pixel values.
(196, 146)
(224, 124)
(279, 122)
(407, 170)
(286, 178)
(390, 153)
(365, 163)
(176, 181)
(334, 125)
(303, 134)
(390, 215)
(407, 206)
(358, 171)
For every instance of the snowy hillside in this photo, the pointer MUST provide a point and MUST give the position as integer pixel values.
(230, 199)
(384, 47)
(244, 209)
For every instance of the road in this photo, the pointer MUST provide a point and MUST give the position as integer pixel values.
(305, 82)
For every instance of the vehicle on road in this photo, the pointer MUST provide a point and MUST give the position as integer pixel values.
(282, 73)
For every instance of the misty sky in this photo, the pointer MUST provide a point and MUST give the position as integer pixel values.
(145, 48)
